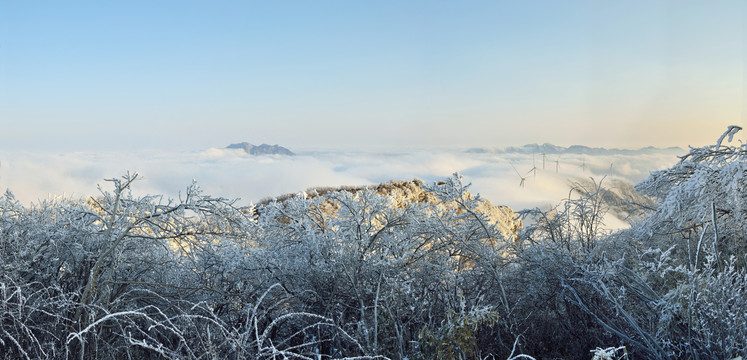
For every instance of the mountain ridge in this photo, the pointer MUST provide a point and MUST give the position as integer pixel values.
(548, 148)
(263, 149)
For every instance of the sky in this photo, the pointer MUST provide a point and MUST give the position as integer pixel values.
(191, 75)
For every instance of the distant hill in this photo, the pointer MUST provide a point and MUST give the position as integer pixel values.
(263, 149)
(573, 149)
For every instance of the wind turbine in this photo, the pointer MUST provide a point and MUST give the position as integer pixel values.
(557, 164)
(521, 177)
(534, 167)
(543, 160)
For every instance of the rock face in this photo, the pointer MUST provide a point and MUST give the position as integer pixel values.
(263, 149)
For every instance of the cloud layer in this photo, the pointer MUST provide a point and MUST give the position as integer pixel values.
(33, 176)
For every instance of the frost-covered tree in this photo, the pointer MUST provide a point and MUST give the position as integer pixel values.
(674, 284)
(345, 273)
(382, 266)
(703, 194)
(700, 226)
(86, 260)
(671, 286)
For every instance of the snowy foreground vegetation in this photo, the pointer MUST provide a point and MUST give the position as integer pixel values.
(402, 270)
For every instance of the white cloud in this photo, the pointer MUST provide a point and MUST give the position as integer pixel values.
(234, 174)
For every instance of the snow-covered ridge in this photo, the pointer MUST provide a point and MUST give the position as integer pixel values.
(404, 193)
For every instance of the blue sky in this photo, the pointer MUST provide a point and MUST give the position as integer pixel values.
(188, 75)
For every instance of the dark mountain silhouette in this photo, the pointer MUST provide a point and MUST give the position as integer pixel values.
(263, 149)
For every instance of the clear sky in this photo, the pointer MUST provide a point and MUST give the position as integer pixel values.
(188, 75)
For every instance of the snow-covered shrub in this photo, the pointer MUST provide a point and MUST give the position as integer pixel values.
(574, 225)
(703, 196)
(610, 353)
(455, 337)
(382, 266)
(701, 220)
(675, 285)
(357, 273)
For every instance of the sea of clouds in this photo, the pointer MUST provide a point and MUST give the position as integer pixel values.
(35, 176)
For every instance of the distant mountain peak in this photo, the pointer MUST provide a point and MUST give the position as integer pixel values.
(263, 149)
